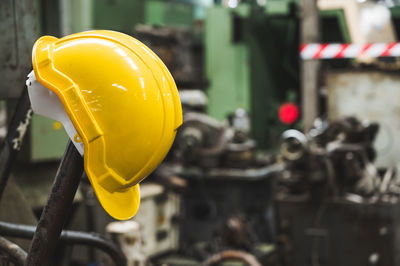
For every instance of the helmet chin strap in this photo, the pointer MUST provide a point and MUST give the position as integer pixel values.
(46, 103)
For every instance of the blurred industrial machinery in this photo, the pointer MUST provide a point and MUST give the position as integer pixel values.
(226, 201)
(339, 154)
(322, 202)
(205, 142)
(331, 198)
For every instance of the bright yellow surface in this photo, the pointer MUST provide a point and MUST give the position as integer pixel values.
(123, 102)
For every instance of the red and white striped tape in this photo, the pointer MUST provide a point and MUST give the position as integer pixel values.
(350, 50)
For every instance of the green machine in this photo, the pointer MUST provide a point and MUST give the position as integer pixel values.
(227, 62)
(252, 63)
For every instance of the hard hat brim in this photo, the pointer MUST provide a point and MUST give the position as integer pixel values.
(121, 205)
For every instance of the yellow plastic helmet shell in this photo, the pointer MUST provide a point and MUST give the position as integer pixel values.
(123, 102)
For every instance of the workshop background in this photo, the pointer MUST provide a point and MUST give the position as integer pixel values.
(287, 155)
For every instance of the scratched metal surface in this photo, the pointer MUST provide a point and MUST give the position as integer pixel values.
(18, 30)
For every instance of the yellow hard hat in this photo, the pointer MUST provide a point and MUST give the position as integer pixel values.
(122, 101)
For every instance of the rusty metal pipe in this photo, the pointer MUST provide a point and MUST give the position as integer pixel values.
(12, 252)
(57, 207)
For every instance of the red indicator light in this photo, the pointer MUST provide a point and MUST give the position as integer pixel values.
(288, 113)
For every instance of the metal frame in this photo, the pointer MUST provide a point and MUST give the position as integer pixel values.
(67, 238)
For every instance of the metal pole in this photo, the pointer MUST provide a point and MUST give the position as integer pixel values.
(309, 68)
(57, 207)
(15, 134)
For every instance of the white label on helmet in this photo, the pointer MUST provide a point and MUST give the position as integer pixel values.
(46, 103)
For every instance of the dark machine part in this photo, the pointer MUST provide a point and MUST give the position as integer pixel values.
(338, 232)
(235, 232)
(180, 49)
(226, 208)
(67, 238)
(227, 200)
(57, 208)
(348, 131)
(334, 207)
(207, 143)
(338, 156)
